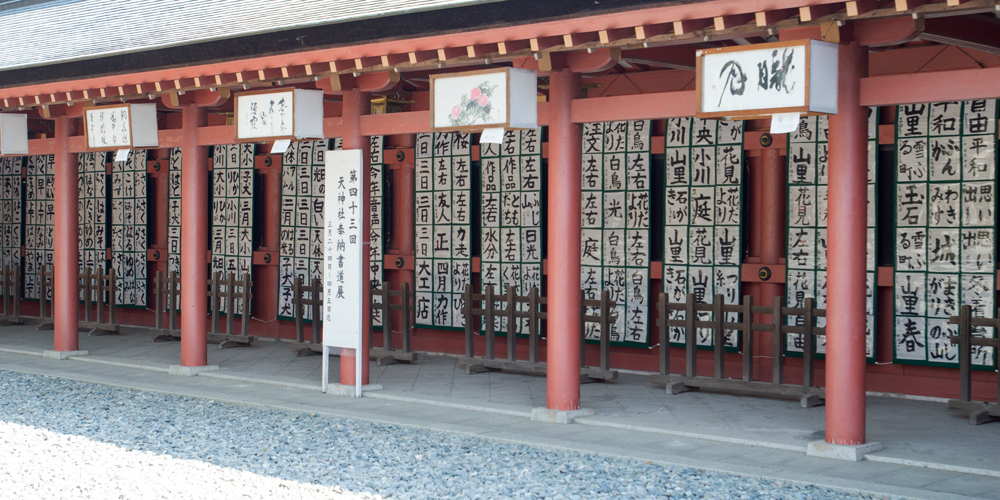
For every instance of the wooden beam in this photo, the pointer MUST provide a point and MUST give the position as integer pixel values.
(813, 12)
(770, 17)
(574, 39)
(729, 22)
(509, 46)
(545, 43)
(962, 85)
(634, 107)
(691, 25)
(390, 60)
(614, 35)
(422, 56)
(905, 5)
(859, 7)
(450, 53)
(651, 30)
(964, 31)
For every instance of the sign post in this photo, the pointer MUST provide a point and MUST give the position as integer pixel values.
(342, 256)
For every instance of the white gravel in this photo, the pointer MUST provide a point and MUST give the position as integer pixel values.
(65, 439)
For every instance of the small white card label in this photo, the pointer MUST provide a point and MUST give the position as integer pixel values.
(121, 155)
(783, 123)
(280, 146)
(492, 136)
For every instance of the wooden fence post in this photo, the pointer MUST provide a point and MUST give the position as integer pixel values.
(469, 321)
(173, 296)
(317, 311)
(965, 354)
(247, 295)
(778, 341)
(663, 311)
(808, 349)
(490, 327)
(86, 294)
(747, 338)
(720, 336)
(297, 305)
(690, 337)
(605, 330)
(533, 325)
(386, 307)
(512, 324)
(405, 323)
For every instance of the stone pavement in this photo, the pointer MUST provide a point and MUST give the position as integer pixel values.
(930, 452)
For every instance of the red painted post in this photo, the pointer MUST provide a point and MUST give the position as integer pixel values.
(66, 272)
(194, 238)
(357, 103)
(565, 157)
(848, 199)
(403, 225)
(772, 232)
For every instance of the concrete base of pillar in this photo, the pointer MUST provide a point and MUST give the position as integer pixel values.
(559, 416)
(63, 354)
(349, 390)
(851, 453)
(190, 371)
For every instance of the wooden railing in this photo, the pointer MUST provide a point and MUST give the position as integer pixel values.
(99, 292)
(310, 296)
(676, 383)
(44, 302)
(979, 412)
(506, 306)
(10, 295)
(167, 295)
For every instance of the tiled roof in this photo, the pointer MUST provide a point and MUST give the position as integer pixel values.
(41, 33)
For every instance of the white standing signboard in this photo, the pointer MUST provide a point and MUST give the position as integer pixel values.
(342, 256)
(749, 81)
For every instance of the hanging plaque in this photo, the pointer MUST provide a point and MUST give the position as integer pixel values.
(120, 126)
(276, 114)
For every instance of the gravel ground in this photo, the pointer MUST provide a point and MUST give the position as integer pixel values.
(77, 440)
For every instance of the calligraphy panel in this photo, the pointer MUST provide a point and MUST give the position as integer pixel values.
(92, 211)
(10, 210)
(443, 228)
(232, 213)
(614, 243)
(174, 211)
(945, 227)
(805, 272)
(39, 219)
(511, 217)
(128, 228)
(703, 236)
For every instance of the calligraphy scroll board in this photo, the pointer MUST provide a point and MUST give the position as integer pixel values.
(120, 126)
(277, 114)
(759, 80)
(13, 134)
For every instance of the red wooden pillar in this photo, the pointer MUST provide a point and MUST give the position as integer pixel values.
(66, 270)
(403, 222)
(194, 238)
(848, 199)
(565, 157)
(357, 103)
(772, 230)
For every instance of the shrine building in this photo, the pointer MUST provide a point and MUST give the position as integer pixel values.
(813, 251)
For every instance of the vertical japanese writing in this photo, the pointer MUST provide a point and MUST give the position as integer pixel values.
(511, 217)
(945, 226)
(174, 211)
(10, 210)
(614, 245)
(232, 213)
(807, 159)
(702, 221)
(128, 228)
(92, 216)
(443, 222)
(343, 225)
(39, 216)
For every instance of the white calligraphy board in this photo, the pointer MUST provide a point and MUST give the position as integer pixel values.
(765, 79)
(121, 126)
(279, 114)
(342, 256)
